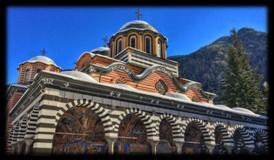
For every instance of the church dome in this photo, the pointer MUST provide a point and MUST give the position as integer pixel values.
(138, 25)
(42, 59)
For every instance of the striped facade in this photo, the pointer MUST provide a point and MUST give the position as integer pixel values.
(40, 123)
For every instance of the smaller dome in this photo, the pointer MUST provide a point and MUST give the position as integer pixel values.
(244, 110)
(137, 24)
(79, 75)
(101, 50)
(42, 59)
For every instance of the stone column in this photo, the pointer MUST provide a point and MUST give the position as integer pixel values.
(179, 147)
(210, 148)
(250, 148)
(28, 145)
(229, 148)
(111, 143)
(19, 147)
(13, 148)
(153, 146)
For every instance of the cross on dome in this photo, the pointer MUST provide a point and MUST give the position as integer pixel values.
(105, 40)
(138, 13)
(43, 52)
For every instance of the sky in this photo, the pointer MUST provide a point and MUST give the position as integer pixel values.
(66, 32)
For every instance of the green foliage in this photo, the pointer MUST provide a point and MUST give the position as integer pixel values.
(241, 83)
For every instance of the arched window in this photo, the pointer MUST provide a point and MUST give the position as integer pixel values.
(27, 75)
(79, 131)
(132, 136)
(194, 140)
(119, 45)
(148, 44)
(132, 41)
(159, 48)
(166, 144)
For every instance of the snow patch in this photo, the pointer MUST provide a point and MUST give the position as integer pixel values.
(42, 59)
(79, 75)
(86, 52)
(100, 49)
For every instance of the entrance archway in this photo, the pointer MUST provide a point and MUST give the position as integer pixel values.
(79, 131)
(219, 140)
(260, 147)
(132, 136)
(194, 141)
(239, 144)
(166, 144)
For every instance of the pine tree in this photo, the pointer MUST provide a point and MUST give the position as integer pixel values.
(241, 82)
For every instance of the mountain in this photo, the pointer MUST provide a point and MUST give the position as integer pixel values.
(207, 64)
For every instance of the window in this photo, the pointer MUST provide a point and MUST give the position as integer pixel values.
(119, 45)
(159, 49)
(27, 75)
(132, 41)
(148, 44)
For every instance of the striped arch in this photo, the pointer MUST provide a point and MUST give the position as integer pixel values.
(95, 107)
(208, 139)
(145, 118)
(11, 130)
(247, 138)
(15, 132)
(22, 128)
(264, 136)
(226, 138)
(12, 135)
(176, 134)
(32, 122)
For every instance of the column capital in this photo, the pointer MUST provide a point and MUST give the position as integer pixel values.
(111, 139)
(179, 146)
(210, 147)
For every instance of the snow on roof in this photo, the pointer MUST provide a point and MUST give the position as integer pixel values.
(244, 110)
(238, 110)
(178, 95)
(138, 24)
(171, 96)
(100, 49)
(124, 86)
(86, 52)
(223, 107)
(78, 75)
(42, 59)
